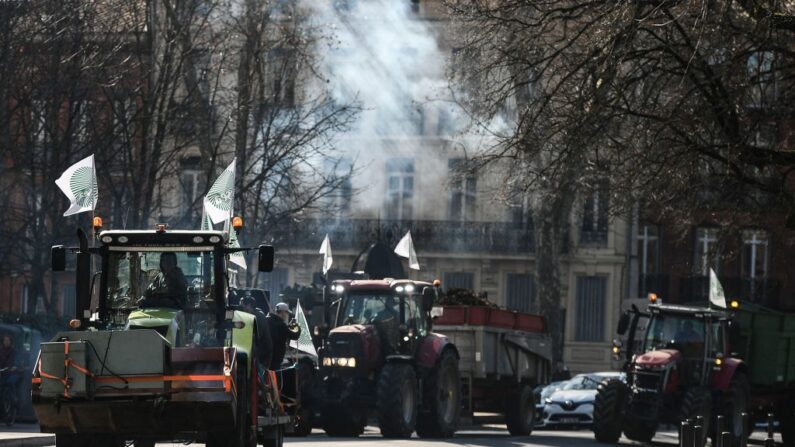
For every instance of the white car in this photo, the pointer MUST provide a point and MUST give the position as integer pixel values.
(572, 404)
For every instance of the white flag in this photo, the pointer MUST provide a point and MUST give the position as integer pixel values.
(716, 295)
(325, 250)
(405, 248)
(79, 183)
(207, 223)
(304, 342)
(220, 198)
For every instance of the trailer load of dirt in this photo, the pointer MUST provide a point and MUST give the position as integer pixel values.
(464, 297)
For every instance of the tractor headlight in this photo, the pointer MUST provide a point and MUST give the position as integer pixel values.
(327, 361)
(344, 362)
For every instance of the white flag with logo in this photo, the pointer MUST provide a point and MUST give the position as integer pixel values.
(79, 184)
(220, 198)
(325, 250)
(304, 342)
(207, 223)
(716, 295)
(405, 248)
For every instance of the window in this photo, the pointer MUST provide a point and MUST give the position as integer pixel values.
(706, 251)
(463, 191)
(458, 280)
(761, 71)
(649, 257)
(590, 308)
(595, 217)
(191, 183)
(400, 189)
(68, 302)
(340, 172)
(275, 282)
(282, 66)
(25, 299)
(415, 6)
(520, 292)
(755, 256)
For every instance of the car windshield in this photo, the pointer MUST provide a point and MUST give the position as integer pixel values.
(178, 279)
(551, 388)
(583, 382)
(367, 308)
(673, 332)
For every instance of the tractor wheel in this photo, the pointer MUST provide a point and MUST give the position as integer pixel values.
(276, 439)
(698, 402)
(143, 443)
(608, 411)
(736, 403)
(520, 412)
(243, 435)
(443, 400)
(639, 431)
(340, 421)
(786, 421)
(72, 440)
(396, 402)
(303, 423)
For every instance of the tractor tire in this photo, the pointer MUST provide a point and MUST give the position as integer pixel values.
(697, 401)
(143, 443)
(303, 423)
(736, 403)
(639, 431)
(608, 411)
(81, 440)
(244, 434)
(276, 439)
(786, 421)
(340, 421)
(520, 411)
(396, 402)
(442, 399)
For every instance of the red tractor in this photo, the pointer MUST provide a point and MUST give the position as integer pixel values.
(682, 367)
(381, 357)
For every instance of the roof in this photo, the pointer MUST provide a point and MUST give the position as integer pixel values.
(155, 238)
(690, 310)
(380, 284)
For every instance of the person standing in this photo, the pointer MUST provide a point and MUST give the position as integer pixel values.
(281, 332)
(264, 342)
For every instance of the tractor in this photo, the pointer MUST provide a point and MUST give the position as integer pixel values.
(682, 367)
(162, 354)
(381, 356)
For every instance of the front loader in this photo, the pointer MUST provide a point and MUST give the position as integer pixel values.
(163, 356)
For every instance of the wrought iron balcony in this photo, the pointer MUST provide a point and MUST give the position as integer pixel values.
(428, 236)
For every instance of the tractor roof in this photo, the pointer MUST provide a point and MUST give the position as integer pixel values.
(695, 311)
(379, 284)
(162, 238)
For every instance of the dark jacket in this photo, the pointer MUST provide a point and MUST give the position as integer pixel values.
(7, 357)
(167, 290)
(280, 334)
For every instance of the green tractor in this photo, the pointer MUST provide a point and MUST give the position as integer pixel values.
(161, 354)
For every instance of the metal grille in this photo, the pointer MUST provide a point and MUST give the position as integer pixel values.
(647, 380)
(590, 311)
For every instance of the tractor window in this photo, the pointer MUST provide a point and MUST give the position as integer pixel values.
(671, 332)
(365, 309)
(414, 318)
(717, 338)
(160, 279)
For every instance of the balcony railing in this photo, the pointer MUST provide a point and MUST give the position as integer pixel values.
(433, 236)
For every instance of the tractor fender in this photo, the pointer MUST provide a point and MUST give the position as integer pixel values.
(432, 348)
(398, 358)
(723, 377)
(243, 338)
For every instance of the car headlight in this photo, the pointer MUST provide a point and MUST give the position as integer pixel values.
(547, 401)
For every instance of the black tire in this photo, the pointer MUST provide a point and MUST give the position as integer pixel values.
(244, 434)
(396, 402)
(639, 431)
(520, 411)
(339, 421)
(277, 438)
(735, 404)
(697, 401)
(442, 406)
(143, 443)
(303, 423)
(608, 410)
(786, 418)
(81, 440)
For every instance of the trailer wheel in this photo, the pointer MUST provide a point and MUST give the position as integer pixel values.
(396, 402)
(698, 402)
(443, 400)
(608, 411)
(520, 412)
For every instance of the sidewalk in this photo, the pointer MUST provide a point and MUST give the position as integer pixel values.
(24, 435)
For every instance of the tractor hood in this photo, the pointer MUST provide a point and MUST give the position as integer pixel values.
(658, 359)
(358, 341)
(165, 321)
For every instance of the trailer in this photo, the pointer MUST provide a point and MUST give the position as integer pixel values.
(503, 356)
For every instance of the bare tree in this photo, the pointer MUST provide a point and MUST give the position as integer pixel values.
(679, 106)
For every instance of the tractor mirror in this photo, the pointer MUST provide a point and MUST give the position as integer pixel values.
(58, 254)
(623, 324)
(265, 258)
(428, 297)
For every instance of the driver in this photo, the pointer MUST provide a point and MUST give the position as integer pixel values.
(169, 286)
(388, 312)
(687, 334)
